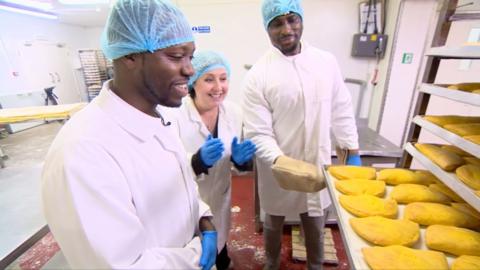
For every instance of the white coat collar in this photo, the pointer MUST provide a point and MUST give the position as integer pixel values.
(304, 45)
(132, 120)
(194, 116)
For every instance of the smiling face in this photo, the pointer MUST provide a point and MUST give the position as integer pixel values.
(165, 74)
(211, 89)
(285, 32)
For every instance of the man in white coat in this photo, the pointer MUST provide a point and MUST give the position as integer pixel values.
(117, 189)
(294, 97)
(209, 127)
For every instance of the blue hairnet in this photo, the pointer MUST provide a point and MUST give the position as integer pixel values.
(135, 26)
(205, 61)
(274, 8)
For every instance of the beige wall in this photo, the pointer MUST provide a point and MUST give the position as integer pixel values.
(238, 32)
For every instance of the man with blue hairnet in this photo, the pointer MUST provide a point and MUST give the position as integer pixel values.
(210, 128)
(294, 97)
(118, 192)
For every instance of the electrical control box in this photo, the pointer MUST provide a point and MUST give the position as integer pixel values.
(369, 45)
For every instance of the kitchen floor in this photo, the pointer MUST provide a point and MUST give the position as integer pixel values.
(20, 203)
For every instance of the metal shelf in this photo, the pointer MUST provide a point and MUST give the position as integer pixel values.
(354, 243)
(449, 179)
(95, 70)
(453, 138)
(457, 95)
(463, 52)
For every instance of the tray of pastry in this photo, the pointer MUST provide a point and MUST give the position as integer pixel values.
(382, 210)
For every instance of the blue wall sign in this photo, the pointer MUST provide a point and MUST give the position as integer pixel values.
(202, 29)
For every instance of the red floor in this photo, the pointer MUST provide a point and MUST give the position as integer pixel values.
(245, 245)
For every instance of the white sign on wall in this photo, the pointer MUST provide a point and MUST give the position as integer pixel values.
(370, 15)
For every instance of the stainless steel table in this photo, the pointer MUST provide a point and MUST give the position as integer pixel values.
(374, 148)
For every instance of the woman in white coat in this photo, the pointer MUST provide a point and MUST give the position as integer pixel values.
(209, 127)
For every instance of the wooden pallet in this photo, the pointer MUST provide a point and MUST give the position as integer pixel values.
(298, 246)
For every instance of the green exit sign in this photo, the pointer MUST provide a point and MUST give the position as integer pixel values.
(407, 58)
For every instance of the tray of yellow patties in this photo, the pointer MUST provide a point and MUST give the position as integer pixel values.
(393, 219)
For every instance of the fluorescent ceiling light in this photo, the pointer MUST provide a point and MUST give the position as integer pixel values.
(83, 2)
(28, 11)
(43, 5)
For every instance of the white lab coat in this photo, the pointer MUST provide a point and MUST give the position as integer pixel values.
(291, 104)
(214, 187)
(118, 193)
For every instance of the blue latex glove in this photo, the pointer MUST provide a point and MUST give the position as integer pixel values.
(354, 160)
(209, 249)
(242, 152)
(211, 151)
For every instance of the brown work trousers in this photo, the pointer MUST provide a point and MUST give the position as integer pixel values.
(313, 230)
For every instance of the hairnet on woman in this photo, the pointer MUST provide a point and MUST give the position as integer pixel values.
(204, 62)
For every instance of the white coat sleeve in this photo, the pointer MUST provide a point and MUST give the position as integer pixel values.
(102, 229)
(258, 122)
(343, 119)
